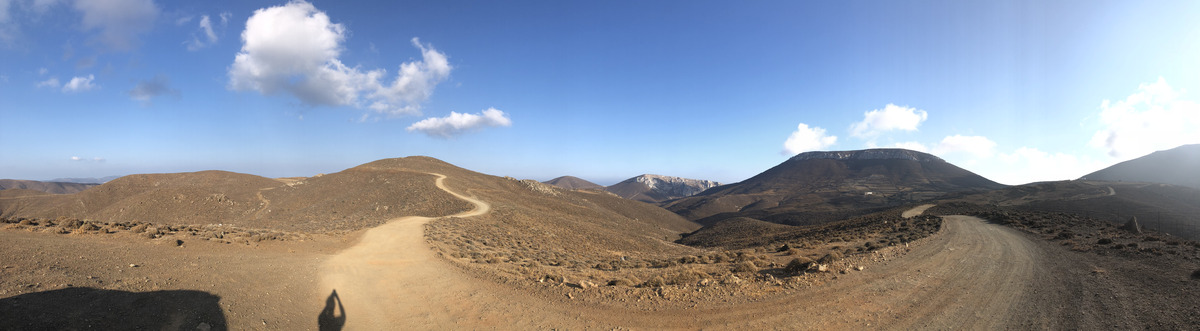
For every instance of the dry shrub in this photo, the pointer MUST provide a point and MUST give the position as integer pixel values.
(745, 266)
(798, 265)
(621, 281)
(656, 281)
(685, 277)
(830, 258)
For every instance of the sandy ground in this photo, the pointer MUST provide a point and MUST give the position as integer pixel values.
(973, 275)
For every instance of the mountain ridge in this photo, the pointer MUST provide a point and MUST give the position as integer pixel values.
(1176, 166)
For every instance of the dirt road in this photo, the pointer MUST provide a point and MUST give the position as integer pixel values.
(972, 275)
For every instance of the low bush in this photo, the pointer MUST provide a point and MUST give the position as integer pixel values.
(798, 265)
(830, 258)
(745, 266)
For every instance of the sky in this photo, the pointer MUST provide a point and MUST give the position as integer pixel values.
(1016, 91)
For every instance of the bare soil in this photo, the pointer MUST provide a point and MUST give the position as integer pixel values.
(972, 274)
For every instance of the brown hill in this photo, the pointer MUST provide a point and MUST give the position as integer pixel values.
(368, 195)
(48, 187)
(832, 183)
(1176, 166)
(573, 183)
(656, 189)
(348, 200)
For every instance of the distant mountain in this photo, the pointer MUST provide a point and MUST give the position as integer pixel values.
(1176, 166)
(573, 183)
(815, 187)
(656, 189)
(48, 187)
(88, 180)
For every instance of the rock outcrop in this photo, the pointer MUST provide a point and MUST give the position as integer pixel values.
(656, 188)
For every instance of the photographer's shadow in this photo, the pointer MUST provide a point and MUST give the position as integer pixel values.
(327, 320)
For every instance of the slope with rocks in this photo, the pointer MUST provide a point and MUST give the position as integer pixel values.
(1176, 166)
(826, 185)
(655, 188)
(48, 187)
(573, 183)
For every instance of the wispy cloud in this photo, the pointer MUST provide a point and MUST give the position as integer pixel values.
(206, 34)
(49, 83)
(456, 123)
(84, 159)
(294, 49)
(120, 22)
(158, 86)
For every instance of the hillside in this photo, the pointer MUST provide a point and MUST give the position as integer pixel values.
(656, 188)
(1176, 166)
(573, 183)
(342, 201)
(833, 185)
(48, 187)
(1166, 208)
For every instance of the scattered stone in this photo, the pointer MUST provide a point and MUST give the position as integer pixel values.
(131, 265)
(586, 284)
(203, 327)
(859, 268)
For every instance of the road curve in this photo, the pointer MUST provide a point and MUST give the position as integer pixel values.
(973, 274)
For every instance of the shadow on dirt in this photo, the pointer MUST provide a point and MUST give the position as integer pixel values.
(327, 320)
(97, 309)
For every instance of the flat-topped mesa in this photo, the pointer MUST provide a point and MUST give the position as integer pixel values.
(870, 154)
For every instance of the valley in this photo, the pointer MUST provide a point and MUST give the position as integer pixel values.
(495, 252)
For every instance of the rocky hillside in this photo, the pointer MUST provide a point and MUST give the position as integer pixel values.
(573, 183)
(656, 188)
(48, 187)
(814, 187)
(1176, 166)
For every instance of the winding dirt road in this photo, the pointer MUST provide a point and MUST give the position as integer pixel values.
(972, 275)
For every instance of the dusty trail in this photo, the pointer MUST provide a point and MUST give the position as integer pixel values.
(972, 275)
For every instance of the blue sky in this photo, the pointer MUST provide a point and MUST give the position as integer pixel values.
(1015, 91)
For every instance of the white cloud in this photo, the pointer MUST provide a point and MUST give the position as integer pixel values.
(1154, 118)
(79, 84)
(120, 21)
(294, 48)
(912, 145)
(890, 118)
(225, 17)
(806, 139)
(456, 123)
(50, 83)
(147, 89)
(979, 146)
(1027, 165)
